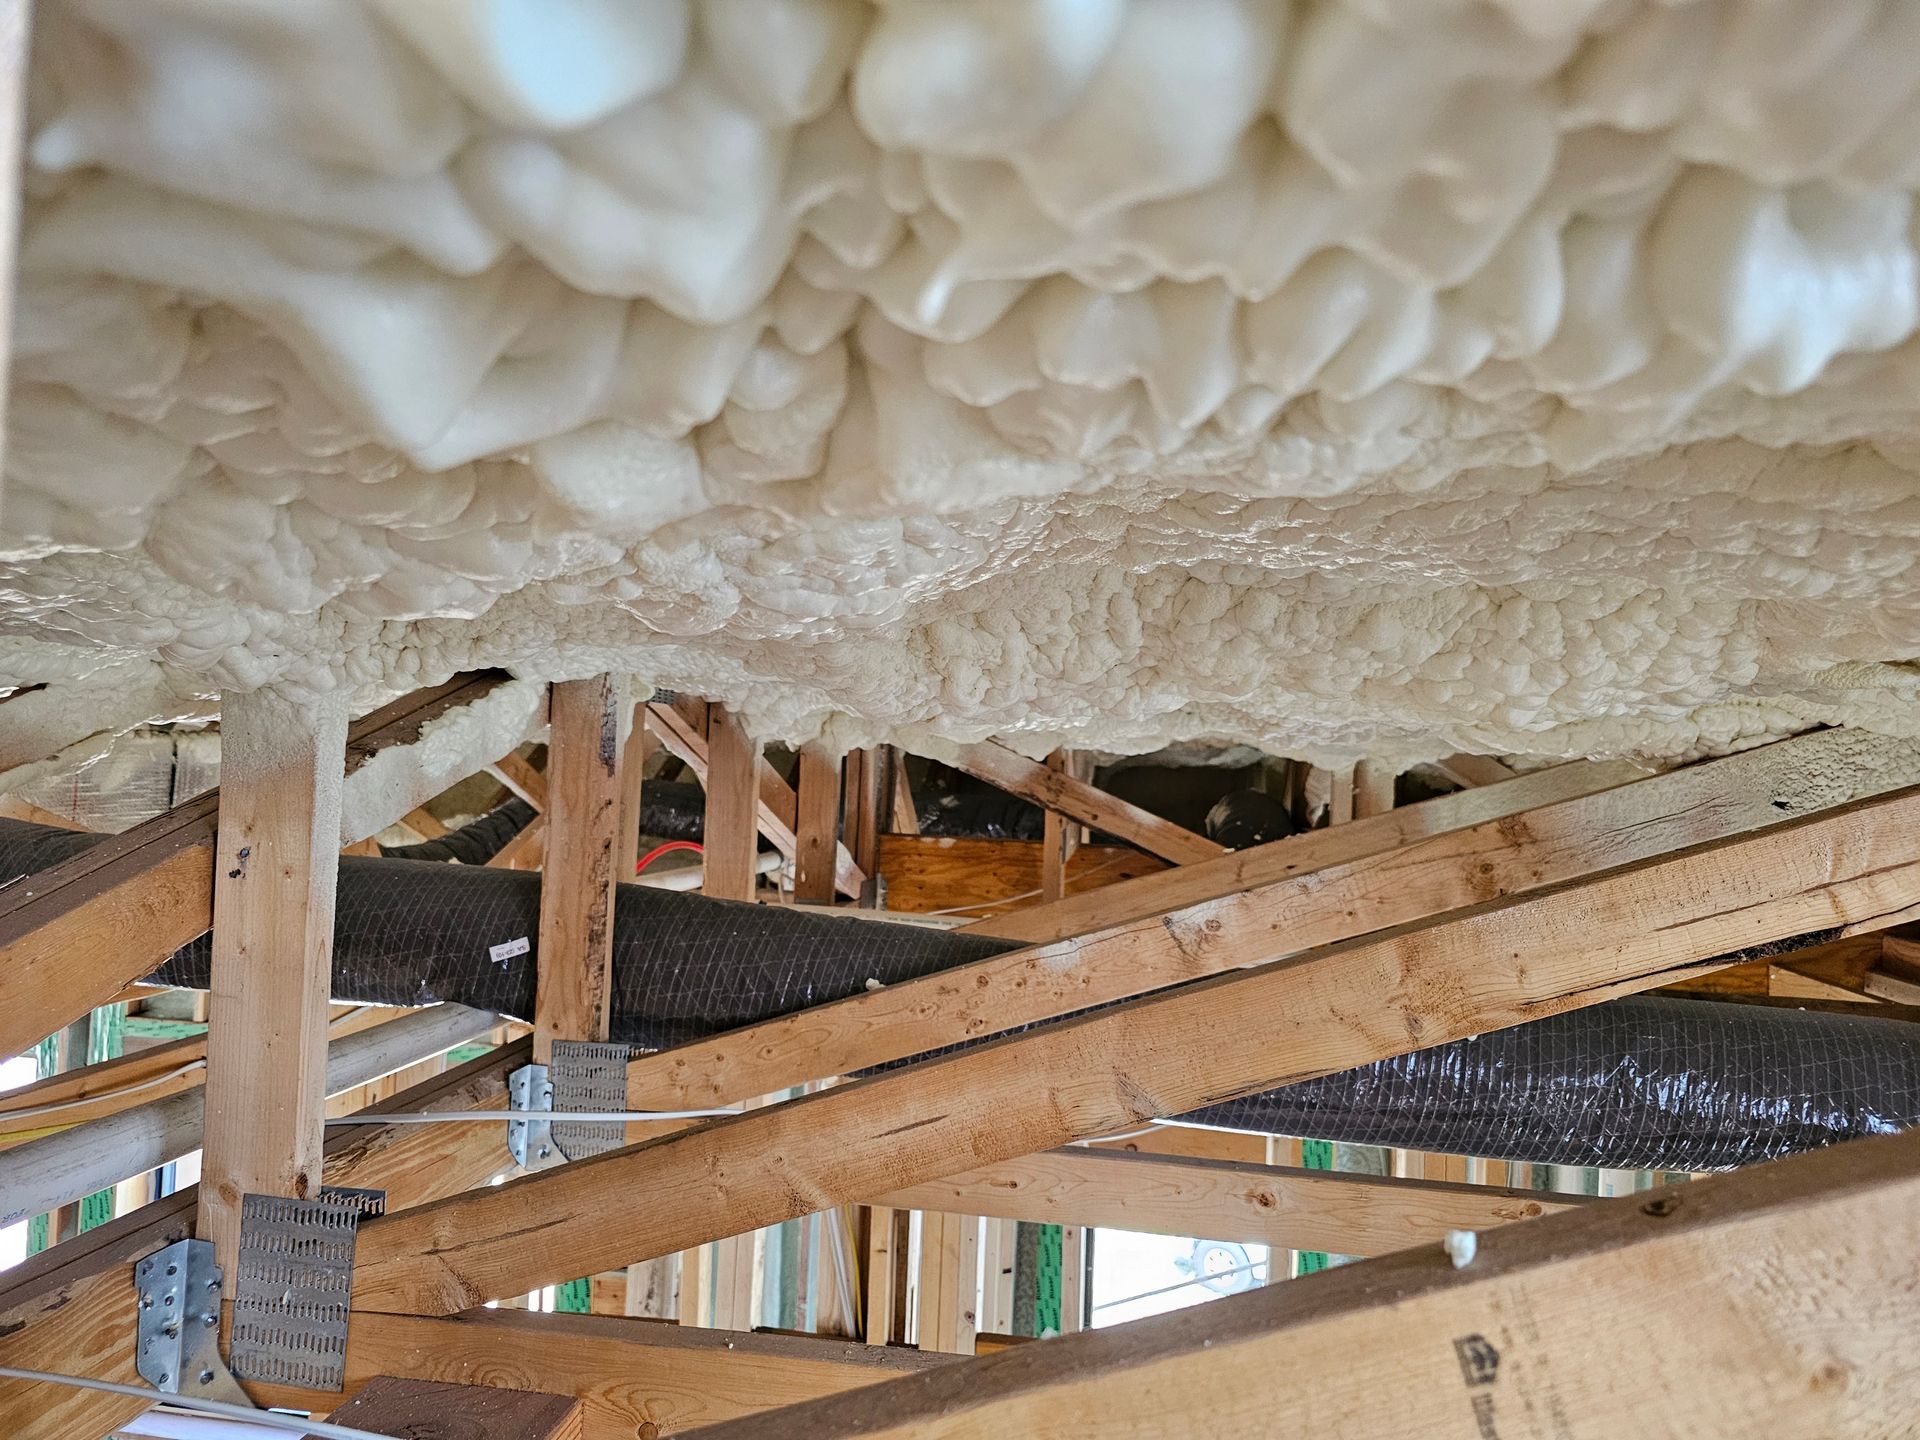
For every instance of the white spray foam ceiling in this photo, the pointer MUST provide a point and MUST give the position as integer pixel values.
(1359, 376)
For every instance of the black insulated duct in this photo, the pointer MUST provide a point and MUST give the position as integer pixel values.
(1653, 1083)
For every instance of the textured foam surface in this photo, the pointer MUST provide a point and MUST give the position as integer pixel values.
(1389, 376)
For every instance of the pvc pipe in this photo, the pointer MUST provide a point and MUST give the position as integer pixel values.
(58, 1169)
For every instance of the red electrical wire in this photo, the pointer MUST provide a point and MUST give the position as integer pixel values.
(666, 849)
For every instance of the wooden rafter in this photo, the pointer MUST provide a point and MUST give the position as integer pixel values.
(1287, 1208)
(73, 935)
(1777, 1301)
(1299, 854)
(1285, 916)
(1068, 795)
(1334, 1008)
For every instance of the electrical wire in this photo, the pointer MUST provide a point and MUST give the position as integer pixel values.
(667, 849)
(58, 1106)
(438, 1117)
(1146, 1129)
(289, 1424)
(1184, 1284)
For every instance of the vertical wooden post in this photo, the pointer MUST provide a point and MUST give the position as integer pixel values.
(1060, 837)
(1372, 788)
(634, 750)
(949, 1282)
(574, 995)
(886, 1288)
(816, 827)
(733, 789)
(276, 861)
(1073, 1279)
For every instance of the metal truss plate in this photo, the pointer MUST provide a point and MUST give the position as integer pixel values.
(178, 1331)
(368, 1204)
(292, 1292)
(529, 1141)
(588, 1076)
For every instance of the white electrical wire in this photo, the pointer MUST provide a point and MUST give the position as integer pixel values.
(436, 1117)
(58, 1106)
(1147, 1129)
(287, 1424)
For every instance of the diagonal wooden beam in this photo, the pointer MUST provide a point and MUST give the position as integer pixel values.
(74, 934)
(776, 809)
(520, 778)
(1298, 854)
(1287, 1208)
(1568, 841)
(1779, 1301)
(632, 1377)
(1067, 794)
(1485, 967)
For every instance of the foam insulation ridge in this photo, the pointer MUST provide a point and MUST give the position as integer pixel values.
(1342, 376)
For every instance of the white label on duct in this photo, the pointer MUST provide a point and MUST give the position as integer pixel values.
(503, 953)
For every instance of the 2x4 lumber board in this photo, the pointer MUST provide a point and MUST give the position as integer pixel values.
(634, 750)
(1061, 791)
(948, 872)
(1482, 968)
(1780, 1301)
(1898, 988)
(528, 784)
(573, 995)
(1474, 769)
(1285, 1207)
(72, 1309)
(1059, 837)
(949, 1290)
(1566, 842)
(816, 825)
(1300, 854)
(439, 1410)
(866, 800)
(276, 866)
(732, 829)
(1373, 782)
(631, 1377)
(683, 732)
(73, 935)
(523, 851)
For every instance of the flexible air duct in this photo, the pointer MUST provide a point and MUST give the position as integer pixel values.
(1640, 1083)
